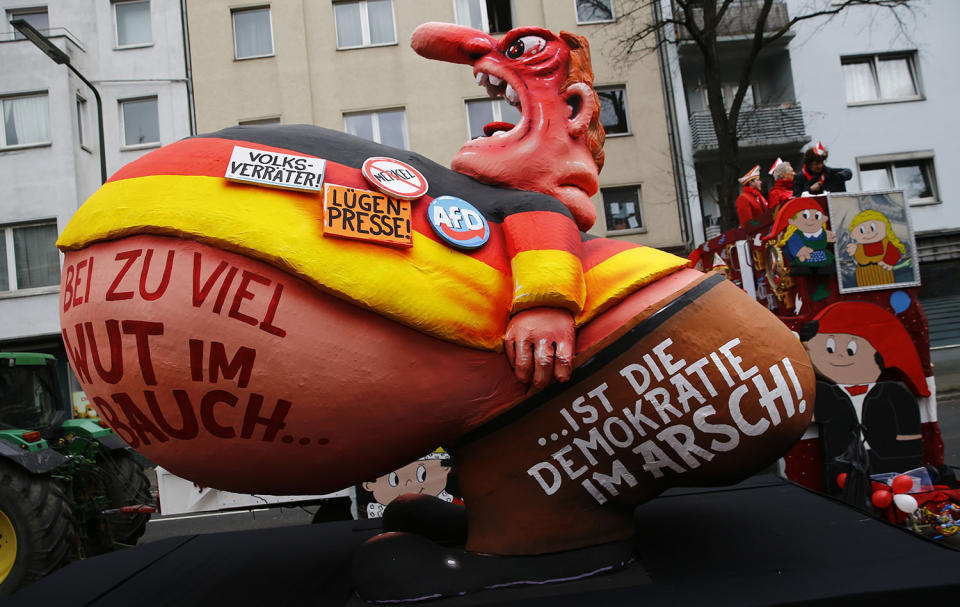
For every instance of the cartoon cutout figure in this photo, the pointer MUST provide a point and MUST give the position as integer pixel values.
(425, 476)
(875, 248)
(852, 343)
(804, 237)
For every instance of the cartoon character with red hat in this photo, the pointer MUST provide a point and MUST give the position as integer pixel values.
(805, 238)
(853, 344)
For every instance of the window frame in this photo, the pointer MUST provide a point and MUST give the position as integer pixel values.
(82, 126)
(33, 144)
(116, 25)
(13, 289)
(626, 107)
(497, 111)
(21, 13)
(123, 127)
(642, 229)
(364, 26)
(484, 15)
(873, 59)
(376, 123)
(233, 27)
(612, 19)
(926, 157)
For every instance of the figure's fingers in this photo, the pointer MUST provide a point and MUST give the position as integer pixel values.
(523, 368)
(563, 360)
(509, 348)
(543, 363)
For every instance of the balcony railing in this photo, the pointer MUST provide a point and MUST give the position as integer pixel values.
(740, 19)
(756, 127)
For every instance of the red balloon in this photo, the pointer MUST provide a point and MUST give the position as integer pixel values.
(881, 498)
(902, 484)
(841, 479)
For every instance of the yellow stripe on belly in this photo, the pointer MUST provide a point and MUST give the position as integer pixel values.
(429, 287)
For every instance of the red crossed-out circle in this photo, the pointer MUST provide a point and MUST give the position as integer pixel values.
(399, 184)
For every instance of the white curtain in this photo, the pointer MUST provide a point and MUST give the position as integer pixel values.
(251, 30)
(349, 32)
(26, 120)
(479, 114)
(4, 280)
(141, 123)
(380, 15)
(895, 79)
(133, 23)
(360, 125)
(859, 80)
(38, 264)
(469, 13)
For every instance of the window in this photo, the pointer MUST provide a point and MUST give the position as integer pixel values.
(875, 78)
(594, 11)
(37, 17)
(81, 121)
(26, 120)
(388, 127)
(364, 23)
(252, 33)
(255, 121)
(913, 173)
(28, 256)
(622, 208)
(484, 111)
(491, 16)
(132, 21)
(613, 109)
(141, 123)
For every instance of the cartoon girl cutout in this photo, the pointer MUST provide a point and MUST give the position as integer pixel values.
(875, 248)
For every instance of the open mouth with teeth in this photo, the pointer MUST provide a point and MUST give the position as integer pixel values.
(498, 88)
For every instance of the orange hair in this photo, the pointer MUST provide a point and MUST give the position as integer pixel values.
(580, 70)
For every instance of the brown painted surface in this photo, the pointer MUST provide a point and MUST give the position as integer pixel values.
(706, 392)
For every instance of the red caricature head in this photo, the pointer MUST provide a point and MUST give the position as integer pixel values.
(856, 341)
(787, 215)
(557, 147)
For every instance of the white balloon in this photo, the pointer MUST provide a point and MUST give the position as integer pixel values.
(905, 502)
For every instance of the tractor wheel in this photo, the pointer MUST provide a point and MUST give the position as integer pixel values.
(126, 485)
(37, 529)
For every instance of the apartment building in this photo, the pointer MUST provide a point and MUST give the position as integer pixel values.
(878, 90)
(132, 52)
(348, 65)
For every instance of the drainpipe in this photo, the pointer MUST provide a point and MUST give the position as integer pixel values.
(188, 67)
(679, 173)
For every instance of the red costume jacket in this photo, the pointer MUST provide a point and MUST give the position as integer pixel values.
(750, 203)
(781, 192)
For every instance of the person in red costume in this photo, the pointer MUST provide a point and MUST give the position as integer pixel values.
(782, 189)
(750, 202)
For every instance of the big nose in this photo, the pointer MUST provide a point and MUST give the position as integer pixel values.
(452, 43)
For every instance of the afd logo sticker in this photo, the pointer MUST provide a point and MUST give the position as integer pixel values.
(458, 222)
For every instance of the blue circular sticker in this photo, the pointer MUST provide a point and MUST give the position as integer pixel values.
(458, 222)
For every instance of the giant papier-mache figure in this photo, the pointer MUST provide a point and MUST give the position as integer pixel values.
(229, 332)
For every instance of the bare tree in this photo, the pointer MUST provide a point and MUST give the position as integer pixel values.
(702, 22)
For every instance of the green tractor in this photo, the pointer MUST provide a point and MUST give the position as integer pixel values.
(69, 488)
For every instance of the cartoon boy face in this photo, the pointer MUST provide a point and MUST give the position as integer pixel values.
(868, 232)
(807, 221)
(844, 358)
(423, 476)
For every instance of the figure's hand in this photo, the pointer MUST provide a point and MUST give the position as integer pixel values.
(884, 265)
(831, 237)
(851, 248)
(815, 188)
(539, 343)
(804, 253)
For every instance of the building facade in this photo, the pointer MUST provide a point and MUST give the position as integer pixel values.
(879, 90)
(348, 65)
(132, 52)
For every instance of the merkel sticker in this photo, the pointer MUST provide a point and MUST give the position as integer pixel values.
(276, 170)
(366, 215)
(458, 222)
(394, 178)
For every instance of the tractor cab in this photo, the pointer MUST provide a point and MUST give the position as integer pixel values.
(29, 393)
